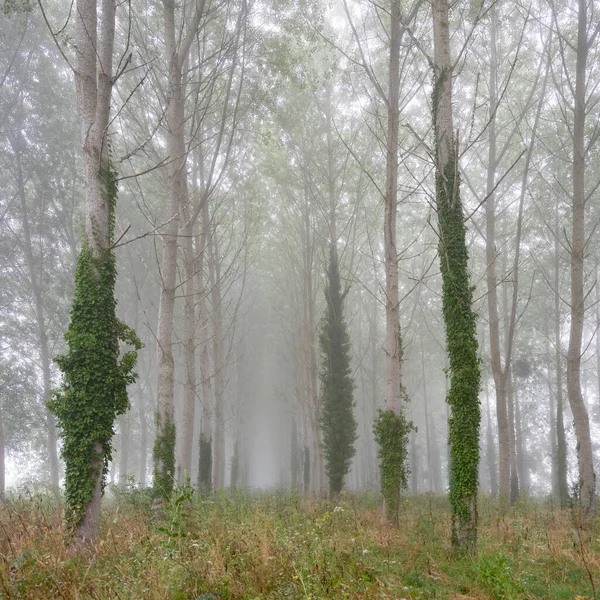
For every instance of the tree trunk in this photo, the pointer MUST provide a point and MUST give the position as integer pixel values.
(309, 359)
(490, 448)
(598, 342)
(218, 359)
(164, 444)
(522, 462)
(552, 420)
(143, 436)
(587, 477)
(392, 317)
(190, 324)
(375, 400)
(459, 319)
(124, 428)
(498, 370)
(414, 464)
(42, 335)
(2, 465)
(94, 81)
(433, 457)
(514, 474)
(205, 459)
(561, 440)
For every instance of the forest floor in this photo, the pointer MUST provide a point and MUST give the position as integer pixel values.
(280, 546)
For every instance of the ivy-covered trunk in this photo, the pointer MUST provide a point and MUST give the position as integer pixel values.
(338, 424)
(94, 390)
(459, 319)
(94, 385)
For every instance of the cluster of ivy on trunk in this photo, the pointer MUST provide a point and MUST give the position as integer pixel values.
(94, 388)
(205, 465)
(164, 461)
(337, 385)
(391, 434)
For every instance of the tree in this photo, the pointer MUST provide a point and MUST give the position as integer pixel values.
(177, 198)
(459, 318)
(390, 98)
(94, 390)
(587, 477)
(337, 385)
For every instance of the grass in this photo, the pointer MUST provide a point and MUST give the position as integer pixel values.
(281, 546)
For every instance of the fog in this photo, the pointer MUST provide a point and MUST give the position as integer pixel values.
(284, 131)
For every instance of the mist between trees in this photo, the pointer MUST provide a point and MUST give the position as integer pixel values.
(314, 212)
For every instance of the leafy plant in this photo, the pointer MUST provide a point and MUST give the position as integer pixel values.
(337, 418)
(94, 389)
(391, 434)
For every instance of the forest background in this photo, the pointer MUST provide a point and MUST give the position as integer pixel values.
(283, 132)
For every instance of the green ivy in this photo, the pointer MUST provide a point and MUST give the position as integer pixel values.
(461, 342)
(236, 467)
(391, 434)
(205, 465)
(338, 424)
(164, 460)
(94, 388)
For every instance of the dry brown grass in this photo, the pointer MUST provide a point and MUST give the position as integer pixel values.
(283, 547)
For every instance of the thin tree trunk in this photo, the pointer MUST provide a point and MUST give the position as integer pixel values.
(143, 436)
(490, 448)
(189, 405)
(177, 52)
(561, 441)
(164, 445)
(414, 464)
(498, 371)
(375, 400)
(218, 360)
(587, 477)
(205, 459)
(552, 420)
(598, 342)
(514, 474)
(42, 334)
(317, 473)
(433, 463)
(522, 462)
(2, 464)
(124, 428)
(392, 317)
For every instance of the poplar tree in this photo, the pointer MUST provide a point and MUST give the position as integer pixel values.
(94, 390)
(457, 299)
(337, 385)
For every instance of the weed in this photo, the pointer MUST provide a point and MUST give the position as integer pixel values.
(273, 545)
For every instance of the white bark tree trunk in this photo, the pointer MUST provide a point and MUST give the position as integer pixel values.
(587, 477)
(94, 38)
(492, 283)
(392, 317)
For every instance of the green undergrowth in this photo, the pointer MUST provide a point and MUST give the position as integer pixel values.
(279, 545)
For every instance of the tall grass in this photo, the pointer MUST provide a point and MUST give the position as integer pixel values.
(279, 545)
